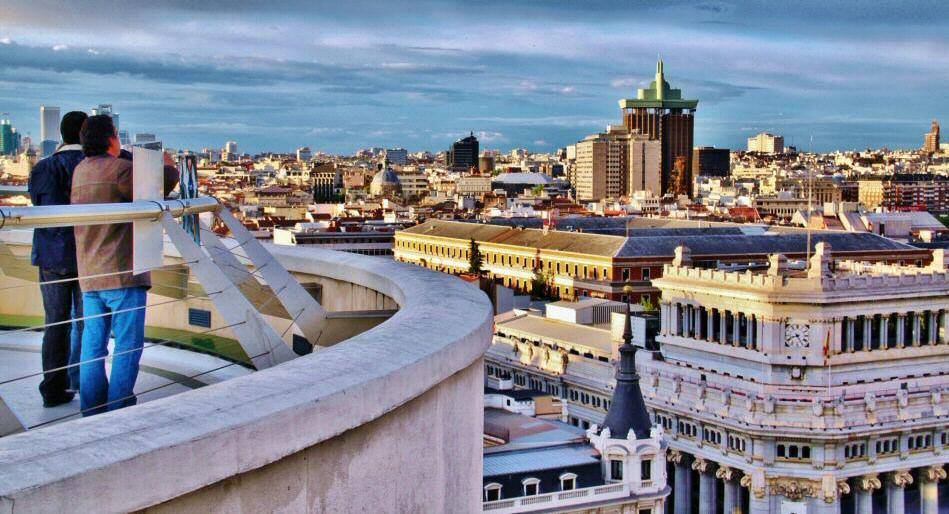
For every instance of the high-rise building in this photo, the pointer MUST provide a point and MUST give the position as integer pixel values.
(463, 153)
(8, 137)
(660, 113)
(645, 165)
(602, 164)
(931, 142)
(397, 156)
(144, 137)
(106, 109)
(766, 143)
(304, 154)
(617, 163)
(49, 124)
(230, 151)
(708, 161)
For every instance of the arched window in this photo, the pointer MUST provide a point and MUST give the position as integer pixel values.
(531, 486)
(492, 492)
(568, 481)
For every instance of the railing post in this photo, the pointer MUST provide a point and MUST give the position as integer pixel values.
(305, 311)
(258, 339)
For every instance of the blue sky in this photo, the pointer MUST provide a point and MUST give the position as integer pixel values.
(339, 76)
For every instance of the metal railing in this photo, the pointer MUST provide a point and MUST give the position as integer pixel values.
(222, 271)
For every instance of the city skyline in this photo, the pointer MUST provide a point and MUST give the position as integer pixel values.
(338, 78)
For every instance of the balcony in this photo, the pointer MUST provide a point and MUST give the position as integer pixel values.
(389, 418)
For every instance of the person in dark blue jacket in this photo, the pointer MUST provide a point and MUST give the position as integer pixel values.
(54, 253)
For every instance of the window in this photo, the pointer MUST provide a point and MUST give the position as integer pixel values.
(199, 318)
(887, 446)
(646, 273)
(854, 451)
(645, 469)
(492, 492)
(531, 486)
(795, 452)
(568, 482)
(712, 436)
(736, 444)
(616, 469)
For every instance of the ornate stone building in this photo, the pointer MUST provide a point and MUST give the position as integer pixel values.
(810, 391)
(786, 390)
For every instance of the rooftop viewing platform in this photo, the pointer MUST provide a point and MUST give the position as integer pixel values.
(248, 401)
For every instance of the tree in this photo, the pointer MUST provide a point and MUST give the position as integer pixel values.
(474, 258)
(648, 304)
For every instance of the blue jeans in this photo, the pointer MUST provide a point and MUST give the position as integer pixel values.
(96, 393)
(75, 345)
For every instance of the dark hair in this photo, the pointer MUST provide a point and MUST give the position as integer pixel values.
(95, 135)
(71, 125)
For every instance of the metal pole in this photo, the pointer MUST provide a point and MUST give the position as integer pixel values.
(101, 213)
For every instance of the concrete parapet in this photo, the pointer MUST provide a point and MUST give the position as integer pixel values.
(352, 427)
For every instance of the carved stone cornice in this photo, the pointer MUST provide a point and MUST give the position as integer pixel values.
(901, 478)
(933, 473)
(724, 473)
(700, 465)
(869, 483)
(674, 456)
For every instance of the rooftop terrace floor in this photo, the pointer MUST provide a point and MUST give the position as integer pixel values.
(160, 365)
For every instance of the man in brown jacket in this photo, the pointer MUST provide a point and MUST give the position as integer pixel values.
(113, 294)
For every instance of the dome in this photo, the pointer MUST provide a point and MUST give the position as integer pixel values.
(385, 182)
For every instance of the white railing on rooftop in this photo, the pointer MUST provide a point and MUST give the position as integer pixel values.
(560, 499)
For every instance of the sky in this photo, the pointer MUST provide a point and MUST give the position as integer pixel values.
(343, 75)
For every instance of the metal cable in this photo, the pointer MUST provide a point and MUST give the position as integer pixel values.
(133, 395)
(149, 345)
(166, 268)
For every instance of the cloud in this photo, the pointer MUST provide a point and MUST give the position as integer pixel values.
(59, 48)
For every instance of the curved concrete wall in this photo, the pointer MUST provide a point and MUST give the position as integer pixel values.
(389, 420)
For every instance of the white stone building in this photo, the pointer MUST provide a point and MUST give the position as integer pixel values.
(803, 392)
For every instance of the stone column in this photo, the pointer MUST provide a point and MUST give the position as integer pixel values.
(706, 486)
(687, 320)
(944, 325)
(710, 323)
(736, 329)
(682, 490)
(929, 488)
(723, 326)
(867, 333)
(849, 331)
(697, 332)
(895, 490)
(732, 500)
(864, 496)
(932, 321)
(751, 327)
(758, 500)
(673, 318)
(916, 328)
(900, 330)
(884, 331)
